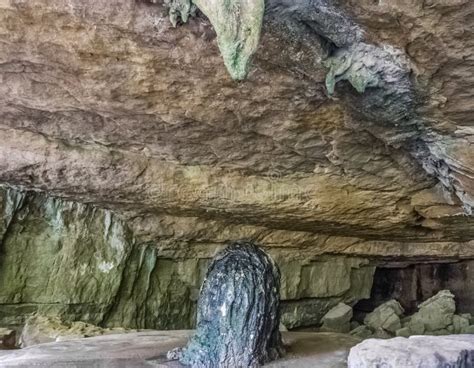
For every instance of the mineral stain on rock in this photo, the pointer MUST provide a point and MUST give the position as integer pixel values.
(238, 311)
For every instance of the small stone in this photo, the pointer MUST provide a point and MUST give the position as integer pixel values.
(337, 319)
(362, 331)
(380, 333)
(354, 325)
(468, 330)
(468, 316)
(403, 332)
(416, 328)
(385, 316)
(7, 338)
(441, 332)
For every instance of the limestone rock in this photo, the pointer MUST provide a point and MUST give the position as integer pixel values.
(403, 332)
(7, 338)
(138, 157)
(362, 332)
(41, 329)
(455, 351)
(385, 316)
(148, 349)
(436, 313)
(460, 324)
(134, 279)
(238, 311)
(337, 319)
(469, 330)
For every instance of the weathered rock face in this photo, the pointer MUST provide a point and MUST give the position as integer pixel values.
(82, 263)
(160, 158)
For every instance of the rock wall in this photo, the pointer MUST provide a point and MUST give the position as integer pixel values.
(82, 263)
(349, 143)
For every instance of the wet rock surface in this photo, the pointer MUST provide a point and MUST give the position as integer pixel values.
(238, 316)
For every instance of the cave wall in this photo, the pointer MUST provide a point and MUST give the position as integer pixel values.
(414, 283)
(140, 157)
(63, 258)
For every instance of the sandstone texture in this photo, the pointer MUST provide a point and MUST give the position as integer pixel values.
(414, 352)
(129, 156)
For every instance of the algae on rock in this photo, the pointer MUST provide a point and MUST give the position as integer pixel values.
(61, 258)
(237, 23)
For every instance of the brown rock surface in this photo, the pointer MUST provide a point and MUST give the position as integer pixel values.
(122, 110)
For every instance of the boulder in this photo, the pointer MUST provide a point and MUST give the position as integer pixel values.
(362, 332)
(436, 313)
(455, 351)
(338, 319)
(468, 330)
(380, 333)
(385, 316)
(460, 324)
(7, 338)
(403, 332)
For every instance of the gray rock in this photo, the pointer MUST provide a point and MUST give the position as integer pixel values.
(380, 333)
(437, 312)
(460, 323)
(403, 332)
(468, 316)
(337, 319)
(361, 331)
(455, 351)
(41, 329)
(354, 325)
(468, 330)
(148, 349)
(385, 316)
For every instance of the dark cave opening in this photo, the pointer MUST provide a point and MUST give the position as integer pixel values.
(414, 283)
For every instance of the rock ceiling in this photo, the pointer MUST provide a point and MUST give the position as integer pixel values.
(107, 103)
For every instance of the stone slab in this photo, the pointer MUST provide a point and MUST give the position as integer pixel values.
(148, 349)
(454, 351)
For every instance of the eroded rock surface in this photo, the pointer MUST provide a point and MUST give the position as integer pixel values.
(159, 157)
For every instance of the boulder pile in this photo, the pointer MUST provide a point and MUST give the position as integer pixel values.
(435, 316)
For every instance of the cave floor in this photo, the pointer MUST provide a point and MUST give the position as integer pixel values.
(148, 349)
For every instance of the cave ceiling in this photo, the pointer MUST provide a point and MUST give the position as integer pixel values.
(108, 103)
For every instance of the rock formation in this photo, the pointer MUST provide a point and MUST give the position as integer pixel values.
(129, 156)
(238, 311)
(414, 352)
